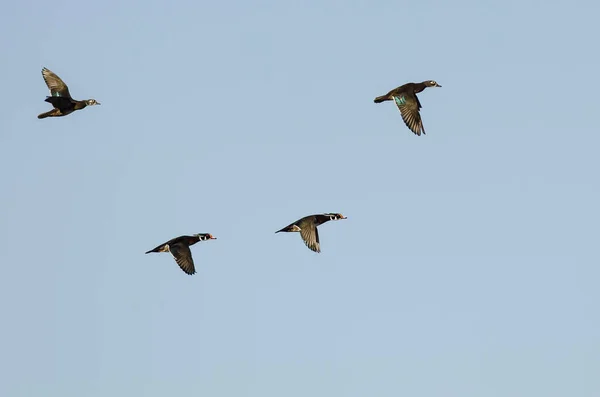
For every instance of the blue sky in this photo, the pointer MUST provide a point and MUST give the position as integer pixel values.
(468, 265)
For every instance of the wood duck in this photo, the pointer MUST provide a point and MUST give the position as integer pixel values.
(61, 98)
(307, 227)
(179, 247)
(408, 103)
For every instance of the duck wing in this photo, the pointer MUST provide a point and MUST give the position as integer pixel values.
(310, 234)
(409, 106)
(57, 87)
(183, 256)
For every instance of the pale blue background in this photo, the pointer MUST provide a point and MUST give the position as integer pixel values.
(468, 265)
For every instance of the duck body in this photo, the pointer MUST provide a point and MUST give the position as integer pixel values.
(179, 247)
(307, 227)
(60, 97)
(65, 105)
(409, 88)
(405, 98)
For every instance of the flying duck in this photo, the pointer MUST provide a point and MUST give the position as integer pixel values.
(179, 247)
(307, 227)
(408, 103)
(60, 97)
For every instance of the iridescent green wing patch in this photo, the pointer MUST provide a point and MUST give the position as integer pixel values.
(400, 101)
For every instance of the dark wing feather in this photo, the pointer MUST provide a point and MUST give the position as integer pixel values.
(310, 234)
(418, 102)
(183, 257)
(409, 106)
(55, 84)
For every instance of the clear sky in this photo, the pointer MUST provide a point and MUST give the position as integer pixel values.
(468, 265)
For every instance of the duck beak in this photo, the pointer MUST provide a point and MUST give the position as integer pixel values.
(344, 217)
(212, 237)
(98, 103)
(437, 85)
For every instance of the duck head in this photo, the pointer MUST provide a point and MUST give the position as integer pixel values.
(205, 236)
(336, 217)
(431, 83)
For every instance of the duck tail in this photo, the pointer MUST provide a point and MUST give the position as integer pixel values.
(47, 114)
(380, 99)
(154, 250)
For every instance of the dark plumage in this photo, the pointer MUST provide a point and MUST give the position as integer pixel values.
(307, 227)
(61, 98)
(408, 103)
(179, 247)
